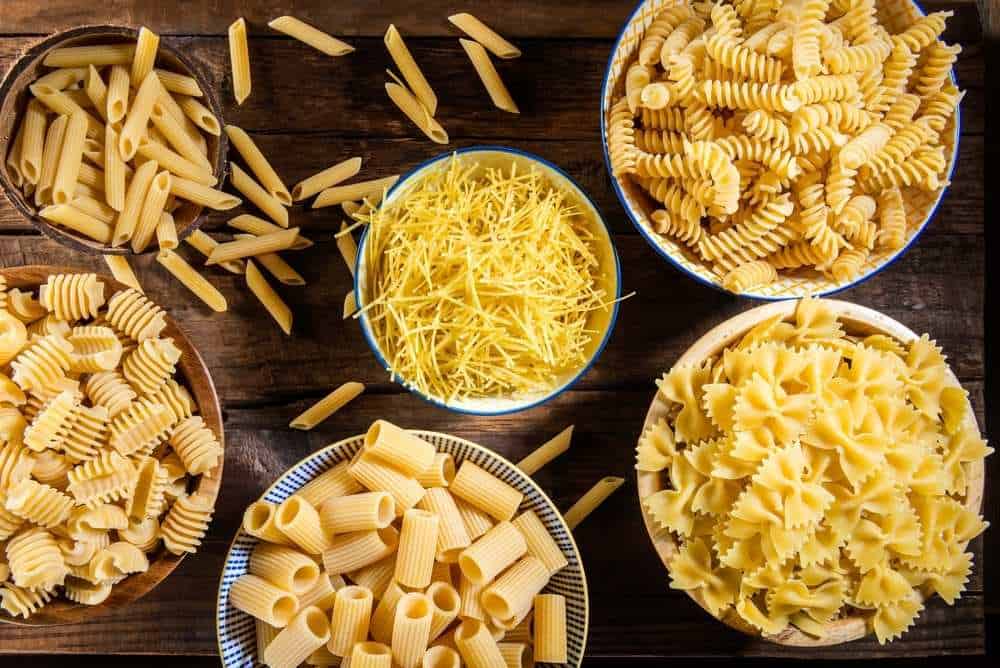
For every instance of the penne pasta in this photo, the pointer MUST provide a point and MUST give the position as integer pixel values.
(239, 59)
(550, 628)
(135, 195)
(350, 305)
(204, 244)
(180, 84)
(259, 196)
(62, 103)
(117, 95)
(173, 130)
(258, 226)
(200, 115)
(589, 502)
(249, 247)
(327, 406)
(259, 165)
(348, 248)
(90, 175)
(122, 271)
(14, 158)
(338, 194)
(138, 116)
(269, 298)
(277, 267)
(546, 452)
(411, 72)
(175, 163)
(191, 279)
(97, 91)
(114, 170)
(485, 35)
(95, 54)
(203, 195)
(70, 159)
(93, 151)
(489, 76)
(73, 219)
(145, 55)
(50, 160)
(152, 210)
(94, 207)
(166, 232)
(314, 37)
(196, 136)
(416, 112)
(33, 142)
(63, 78)
(329, 177)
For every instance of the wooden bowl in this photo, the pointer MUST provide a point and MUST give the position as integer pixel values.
(857, 320)
(196, 378)
(14, 98)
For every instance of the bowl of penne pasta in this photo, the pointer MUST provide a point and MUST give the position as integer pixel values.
(414, 545)
(811, 472)
(111, 140)
(111, 445)
(774, 165)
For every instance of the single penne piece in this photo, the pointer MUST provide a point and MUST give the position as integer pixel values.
(73, 219)
(90, 175)
(353, 191)
(14, 158)
(191, 279)
(175, 163)
(114, 170)
(416, 112)
(180, 84)
(248, 247)
(409, 69)
(487, 492)
(327, 406)
(63, 78)
(314, 37)
(145, 55)
(50, 160)
(550, 628)
(259, 196)
(117, 95)
(33, 142)
(83, 190)
(152, 209)
(204, 244)
(329, 177)
(489, 76)
(257, 226)
(122, 271)
(166, 232)
(258, 164)
(95, 54)
(135, 195)
(277, 267)
(170, 105)
(97, 91)
(350, 305)
(239, 59)
(177, 137)
(94, 207)
(485, 35)
(269, 298)
(62, 103)
(546, 452)
(79, 97)
(589, 502)
(200, 115)
(70, 159)
(138, 116)
(203, 195)
(348, 248)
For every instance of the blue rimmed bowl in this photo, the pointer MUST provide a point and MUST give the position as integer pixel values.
(921, 205)
(235, 630)
(601, 321)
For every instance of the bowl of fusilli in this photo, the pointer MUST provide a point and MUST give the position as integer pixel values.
(812, 472)
(779, 149)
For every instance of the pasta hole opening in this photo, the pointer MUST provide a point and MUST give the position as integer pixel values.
(445, 598)
(60, 197)
(305, 577)
(496, 606)
(356, 593)
(468, 629)
(127, 146)
(386, 511)
(316, 622)
(373, 648)
(448, 470)
(284, 609)
(415, 606)
(373, 431)
(283, 197)
(470, 569)
(116, 110)
(287, 513)
(450, 556)
(297, 195)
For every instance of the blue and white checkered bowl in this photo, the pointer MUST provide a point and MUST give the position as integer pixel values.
(236, 630)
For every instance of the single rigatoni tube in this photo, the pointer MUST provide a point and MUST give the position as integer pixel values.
(152, 210)
(258, 521)
(265, 634)
(321, 594)
(477, 646)
(440, 473)
(114, 170)
(138, 116)
(203, 195)
(445, 604)
(73, 219)
(63, 78)
(385, 613)
(258, 227)
(306, 633)
(369, 655)
(441, 656)
(546, 452)
(351, 551)
(117, 95)
(469, 594)
(239, 59)
(485, 491)
(204, 244)
(97, 91)
(539, 540)
(145, 55)
(200, 115)
(173, 130)
(418, 114)
(166, 232)
(406, 452)
(260, 599)
(135, 196)
(253, 191)
(550, 628)
(70, 159)
(299, 521)
(485, 35)
(514, 590)
(352, 609)
(378, 476)
(122, 270)
(94, 207)
(175, 163)
(259, 165)
(411, 629)
(95, 54)
(314, 37)
(357, 512)
(50, 160)
(493, 552)
(33, 142)
(452, 534)
(489, 76)
(61, 102)
(353, 191)
(589, 502)
(328, 178)
(409, 69)
(181, 84)
(417, 547)
(476, 521)
(348, 248)
(329, 484)
(376, 577)
(277, 267)
(242, 248)
(284, 567)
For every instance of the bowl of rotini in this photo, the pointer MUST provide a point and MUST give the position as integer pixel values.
(110, 140)
(111, 445)
(812, 472)
(406, 548)
(780, 149)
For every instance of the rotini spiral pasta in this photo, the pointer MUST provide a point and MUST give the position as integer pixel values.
(897, 69)
(924, 31)
(822, 139)
(676, 227)
(855, 221)
(658, 31)
(132, 313)
(780, 162)
(899, 146)
(742, 61)
(659, 141)
(864, 146)
(806, 59)
(72, 297)
(857, 58)
(751, 95)
(892, 219)
(679, 38)
(638, 77)
(671, 118)
(849, 264)
(902, 111)
(766, 126)
(799, 254)
(936, 67)
(725, 21)
(675, 199)
(824, 88)
(621, 139)
(937, 108)
(761, 221)
(749, 275)
(922, 169)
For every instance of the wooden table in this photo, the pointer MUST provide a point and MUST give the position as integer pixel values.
(307, 111)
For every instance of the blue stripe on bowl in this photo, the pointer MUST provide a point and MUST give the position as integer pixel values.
(237, 630)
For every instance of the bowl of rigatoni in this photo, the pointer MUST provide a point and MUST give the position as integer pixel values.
(111, 140)
(403, 548)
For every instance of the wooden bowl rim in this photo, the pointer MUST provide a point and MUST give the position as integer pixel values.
(194, 370)
(37, 51)
(854, 316)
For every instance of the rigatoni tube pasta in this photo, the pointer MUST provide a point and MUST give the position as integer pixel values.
(417, 547)
(327, 406)
(333, 482)
(284, 567)
(352, 609)
(411, 629)
(477, 486)
(550, 628)
(452, 534)
(492, 552)
(377, 475)
(351, 551)
(239, 58)
(298, 520)
(368, 511)
(261, 599)
(489, 76)
(314, 37)
(405, 451)
(477, 646)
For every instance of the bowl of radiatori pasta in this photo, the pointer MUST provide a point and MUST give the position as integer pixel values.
(812, 472)
(781, 149)
(403, 548)
(111, 445)
(110, 140)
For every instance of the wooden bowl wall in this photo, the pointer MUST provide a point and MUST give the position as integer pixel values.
(857, 320)
(14, 98)
(197, 379)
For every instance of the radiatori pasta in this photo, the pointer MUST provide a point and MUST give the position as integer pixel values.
(811, 470)
(84, 489)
